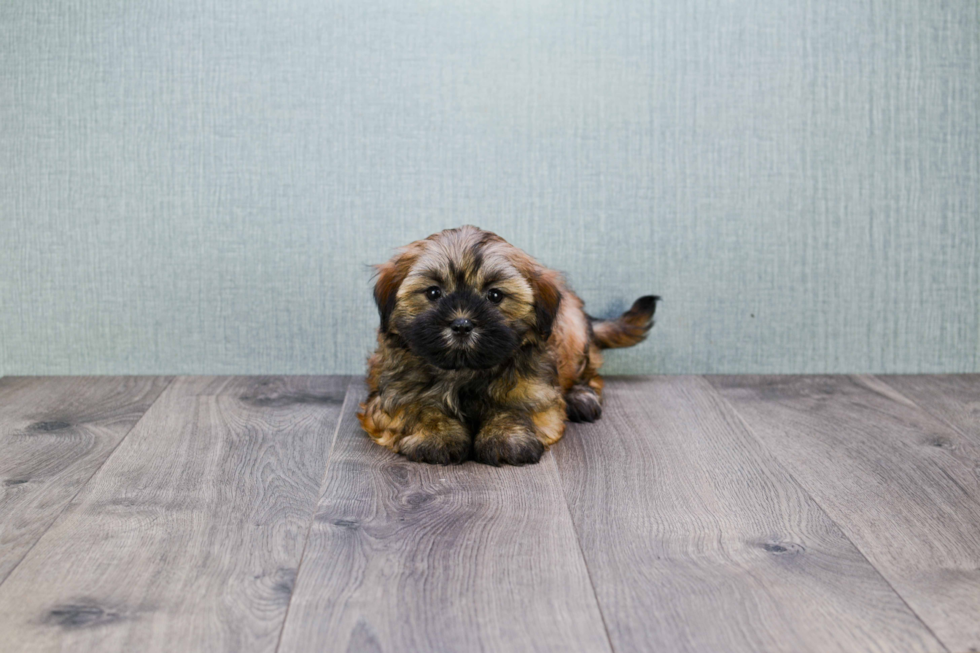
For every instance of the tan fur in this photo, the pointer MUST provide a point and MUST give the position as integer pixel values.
(628, 329)
(427, 412)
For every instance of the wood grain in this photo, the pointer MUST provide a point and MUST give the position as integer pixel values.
(698, 540)
(189, 537)
(901, 484)
(951, 398)
(410, 557)
(55, 432)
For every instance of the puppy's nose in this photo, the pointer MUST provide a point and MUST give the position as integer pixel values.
(461, 326)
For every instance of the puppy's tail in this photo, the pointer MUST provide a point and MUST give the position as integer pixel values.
(629, 328)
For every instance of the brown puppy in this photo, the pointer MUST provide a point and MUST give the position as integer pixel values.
(483, 351)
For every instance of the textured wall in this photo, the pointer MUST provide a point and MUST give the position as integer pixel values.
(200, 186)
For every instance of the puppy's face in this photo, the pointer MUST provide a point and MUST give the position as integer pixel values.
(465, 298)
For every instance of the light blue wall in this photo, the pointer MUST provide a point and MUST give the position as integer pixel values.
(200, 187)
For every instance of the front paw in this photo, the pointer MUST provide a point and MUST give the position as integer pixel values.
(510, 444)
(441, 449)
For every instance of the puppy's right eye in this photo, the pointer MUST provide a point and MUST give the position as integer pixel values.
(433, 293)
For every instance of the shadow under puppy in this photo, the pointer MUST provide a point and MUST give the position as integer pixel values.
(483, 352)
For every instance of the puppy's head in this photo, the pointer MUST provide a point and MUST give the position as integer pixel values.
(465, 298)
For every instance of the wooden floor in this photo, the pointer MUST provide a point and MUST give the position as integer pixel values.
(708, 514)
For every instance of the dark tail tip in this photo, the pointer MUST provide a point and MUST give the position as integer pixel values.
(646, 305)
(629, 328)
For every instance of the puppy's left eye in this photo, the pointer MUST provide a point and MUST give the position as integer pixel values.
(495, 295)
(433, 292)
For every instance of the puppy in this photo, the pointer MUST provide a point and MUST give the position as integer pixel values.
(483, 352)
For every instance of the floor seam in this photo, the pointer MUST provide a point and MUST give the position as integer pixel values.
(87, 481)
(817, 503)
(581, 551)
(919, 406)
(319, 495)
(937, 416)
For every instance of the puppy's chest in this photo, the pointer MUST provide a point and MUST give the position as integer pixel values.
(472, 403)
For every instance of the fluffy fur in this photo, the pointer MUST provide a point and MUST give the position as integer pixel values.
(483, 352)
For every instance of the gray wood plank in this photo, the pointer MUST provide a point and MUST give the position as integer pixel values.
(698, 540)
(411, 557)
(55, 432)
(952, 398)
(189, 536)
(900, 483)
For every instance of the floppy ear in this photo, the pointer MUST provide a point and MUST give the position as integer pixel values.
(391, 273)
(385, 290)
(547, 298)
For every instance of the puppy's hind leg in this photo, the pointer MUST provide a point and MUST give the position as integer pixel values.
(584, 398)
(583, 403)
